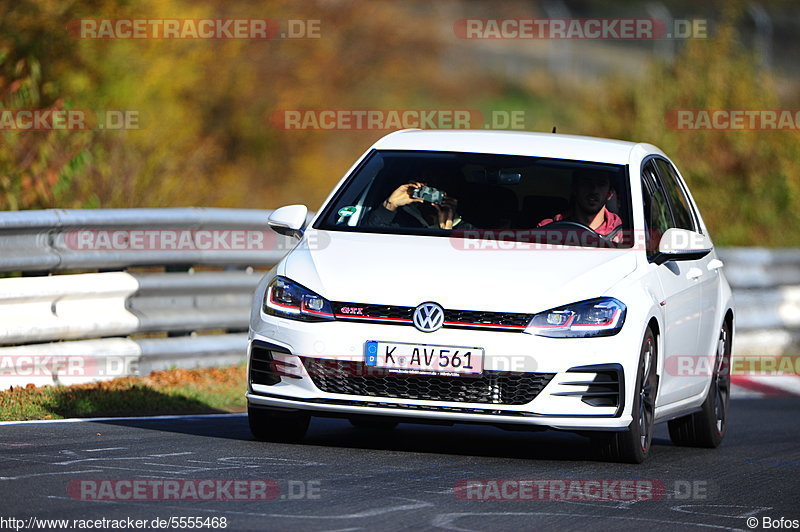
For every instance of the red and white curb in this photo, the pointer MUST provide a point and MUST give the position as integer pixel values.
(757, 386)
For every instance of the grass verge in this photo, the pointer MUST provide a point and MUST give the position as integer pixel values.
(175, 391)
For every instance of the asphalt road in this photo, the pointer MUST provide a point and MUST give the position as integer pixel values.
(344, 479)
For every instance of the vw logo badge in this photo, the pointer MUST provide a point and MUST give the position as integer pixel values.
(428, 317)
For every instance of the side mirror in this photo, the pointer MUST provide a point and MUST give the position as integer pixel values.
(681, 244)
(289, 220)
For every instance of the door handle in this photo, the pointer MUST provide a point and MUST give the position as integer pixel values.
(694, 273)
(715, 264)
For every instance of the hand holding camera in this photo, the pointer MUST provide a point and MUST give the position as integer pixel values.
(429, 194)
(403, 195)
(416, 192)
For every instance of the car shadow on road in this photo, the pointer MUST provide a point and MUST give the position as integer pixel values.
(460, 439)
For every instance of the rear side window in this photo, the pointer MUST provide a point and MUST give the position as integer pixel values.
(681, 208)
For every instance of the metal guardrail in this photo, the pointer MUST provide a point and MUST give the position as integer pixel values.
(83, 361)
(61, 307)
(79, 327)
(103, 323)
(766, 287)
(748, 268)
(50, 240)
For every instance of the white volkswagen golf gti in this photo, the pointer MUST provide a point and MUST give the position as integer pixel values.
(522, 280)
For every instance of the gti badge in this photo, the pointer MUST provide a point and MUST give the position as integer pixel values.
(428, 317)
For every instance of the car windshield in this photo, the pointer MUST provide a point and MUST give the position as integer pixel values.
(487, 196)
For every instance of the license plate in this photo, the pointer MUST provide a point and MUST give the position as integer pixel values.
(418, 358)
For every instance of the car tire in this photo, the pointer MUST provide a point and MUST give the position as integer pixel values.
(633, 444)
(373, 424)
(707, 427)
(279, 427)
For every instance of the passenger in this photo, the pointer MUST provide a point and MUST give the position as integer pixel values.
(401, 209)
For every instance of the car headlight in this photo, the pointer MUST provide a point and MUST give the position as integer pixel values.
(594, 317)
(287, 299)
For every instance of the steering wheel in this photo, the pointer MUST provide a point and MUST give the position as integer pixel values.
(562, 223)
(567, 223)
(610, 236)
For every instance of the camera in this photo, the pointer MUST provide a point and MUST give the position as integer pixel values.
(429, 194)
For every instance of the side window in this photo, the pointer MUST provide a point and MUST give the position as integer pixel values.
(681, 208)
(657, 215)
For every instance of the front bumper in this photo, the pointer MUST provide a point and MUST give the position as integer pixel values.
(575, 397)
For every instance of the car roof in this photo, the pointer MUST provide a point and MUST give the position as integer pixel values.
(551, 145)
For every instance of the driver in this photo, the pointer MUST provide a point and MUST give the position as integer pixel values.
(591, 190)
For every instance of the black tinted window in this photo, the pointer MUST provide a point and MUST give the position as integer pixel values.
(657, 214)
(681, 208)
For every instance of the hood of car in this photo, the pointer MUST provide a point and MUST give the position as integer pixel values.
(408, 270)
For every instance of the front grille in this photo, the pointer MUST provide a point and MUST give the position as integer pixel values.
(489, 318)
(492, 387)
(474, 319)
